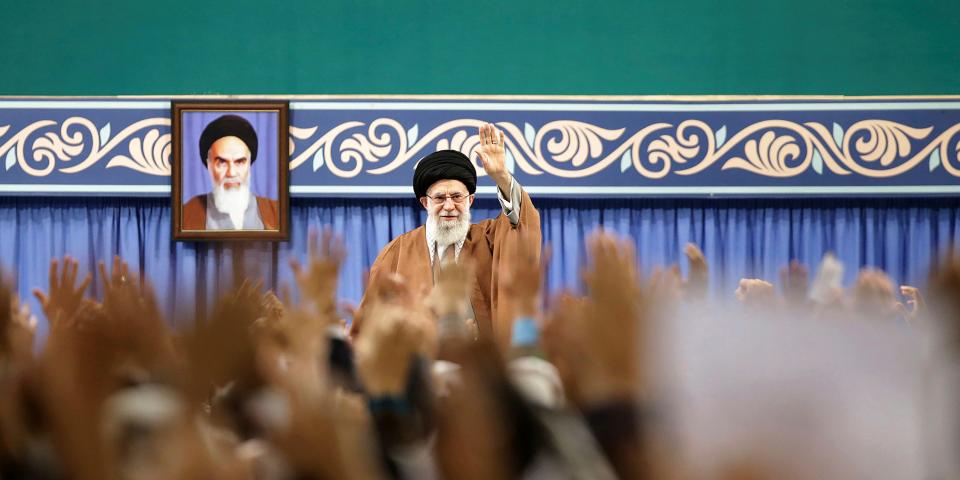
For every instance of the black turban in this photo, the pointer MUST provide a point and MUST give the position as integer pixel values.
(444, 165)
(228, 126)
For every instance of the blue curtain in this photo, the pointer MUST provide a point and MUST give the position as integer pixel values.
(751, 238)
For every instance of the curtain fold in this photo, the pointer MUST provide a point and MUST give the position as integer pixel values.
(740, 238)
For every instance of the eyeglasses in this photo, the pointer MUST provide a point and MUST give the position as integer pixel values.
(456, 197)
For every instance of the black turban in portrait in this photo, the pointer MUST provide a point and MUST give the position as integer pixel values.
(444, 165)
(228, 126)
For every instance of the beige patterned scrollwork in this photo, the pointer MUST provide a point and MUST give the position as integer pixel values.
(885, 148)
(355, 150)
(150, 156)
(19, 141)
(772, 155)
(461, 142)
(464, 139)
(372, 147)
(384, 138)
(681, 148)
(884, 141)
(300, 134)
(578, 142)
(781, 148)
(58, 149)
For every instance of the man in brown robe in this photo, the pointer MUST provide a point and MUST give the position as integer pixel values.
(228, 147)
(445, 183)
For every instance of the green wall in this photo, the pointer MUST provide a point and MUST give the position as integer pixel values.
(854, 47)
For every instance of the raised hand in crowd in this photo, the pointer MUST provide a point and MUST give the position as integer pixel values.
(915, 306)
(131, 315)
(18, 327)
(755, 293)
(873, 295)
(524, 279)
(666, 286)
(614, 326)
(826, 290)
(318, 280)
(595, 342)
(449, 301)
(604, 340)
(16, 361)
(560, 342)
(386, 349)
(944, 299)
(794, 281)
(699, 275)
(480, 445)
(64, 297)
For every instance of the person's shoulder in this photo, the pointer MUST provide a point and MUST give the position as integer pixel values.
(269, 212)
(416, 235)
(413, 233)
(393, 247)
(266, 201)
(195, 213)
(479, 228)
(196, 201)
(419, 232)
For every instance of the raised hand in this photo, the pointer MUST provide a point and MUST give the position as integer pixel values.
(560, 342)
(118, 284)
(755, 292)
(612, 278)
(64, 296)
(696, 287)
(21, 330)
(524, 278)
(944, 297)
(873, 295)
(492, 152)
(449, 299)
(452, 290)
(17, 327)
(793, 281)
(132, 314)
(479, 445)
(392, 288)
(386, 348)
(666, 285)
(273, 307)
(610, 329)
(915, 305)
(318, 281)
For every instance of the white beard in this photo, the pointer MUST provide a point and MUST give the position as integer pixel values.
(233, 202)
(448, 232)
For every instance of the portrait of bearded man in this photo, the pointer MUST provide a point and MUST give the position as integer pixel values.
(228, 148)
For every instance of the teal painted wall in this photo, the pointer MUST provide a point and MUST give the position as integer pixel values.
(854, 47)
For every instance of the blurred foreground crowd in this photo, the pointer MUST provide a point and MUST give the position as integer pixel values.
(633, 378)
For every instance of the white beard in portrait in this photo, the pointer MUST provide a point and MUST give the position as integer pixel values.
(232, 200)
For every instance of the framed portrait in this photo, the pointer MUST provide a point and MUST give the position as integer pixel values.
(230, 175)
